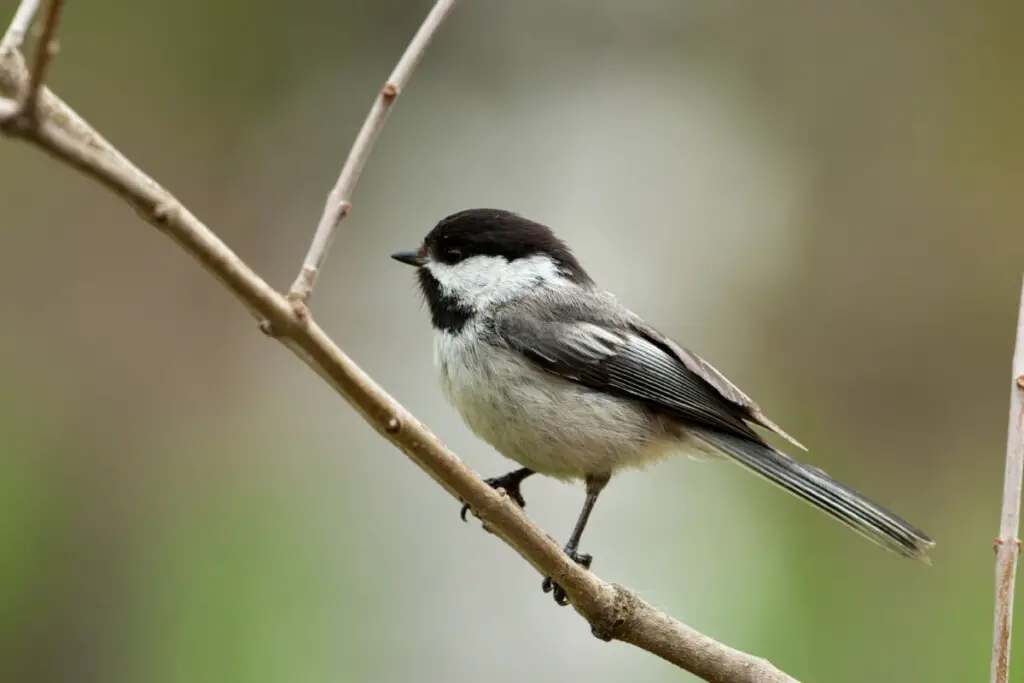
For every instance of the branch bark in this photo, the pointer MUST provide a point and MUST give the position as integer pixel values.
(613, 612)
(46, 47)
(1008, 544)
(15, 34)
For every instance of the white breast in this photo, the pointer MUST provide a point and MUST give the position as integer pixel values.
(546, 423)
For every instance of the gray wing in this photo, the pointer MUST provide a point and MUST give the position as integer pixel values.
(605, 347)
(626, 363)
(709, 374)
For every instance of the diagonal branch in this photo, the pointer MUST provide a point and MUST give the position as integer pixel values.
(25, 113)
(339, 201)
(16, 32)
(614, 612)
(1008, 544)
(46, 48)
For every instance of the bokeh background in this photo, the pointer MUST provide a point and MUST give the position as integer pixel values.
(821, 198)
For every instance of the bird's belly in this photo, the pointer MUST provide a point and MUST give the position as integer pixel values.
(546, 423)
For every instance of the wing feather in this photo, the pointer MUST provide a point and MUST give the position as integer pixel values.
(627, 362)
(709, 374)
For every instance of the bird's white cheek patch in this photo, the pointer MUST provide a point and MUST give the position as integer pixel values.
(487, 280)
(467, 279)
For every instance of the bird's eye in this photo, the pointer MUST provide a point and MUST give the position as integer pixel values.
(452, 255)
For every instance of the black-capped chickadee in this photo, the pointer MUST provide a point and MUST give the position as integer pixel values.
(557, 375)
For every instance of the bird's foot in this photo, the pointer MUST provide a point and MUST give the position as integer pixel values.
(510, 483)
(582, 559)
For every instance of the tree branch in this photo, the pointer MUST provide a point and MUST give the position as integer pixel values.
(1008, 544)
(339, 201)
(16, 32)
(46, 47)
(614, 612)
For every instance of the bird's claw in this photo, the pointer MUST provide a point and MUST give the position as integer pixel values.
(508, 484)
(582, 559)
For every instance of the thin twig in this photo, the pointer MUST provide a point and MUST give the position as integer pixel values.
(16, 32)
(339, 201)
(1008, 544)
(45, 49)
(614, 612)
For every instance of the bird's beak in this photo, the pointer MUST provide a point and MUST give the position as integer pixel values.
(410, 258)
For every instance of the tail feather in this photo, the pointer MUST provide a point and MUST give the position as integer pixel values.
(817, 488)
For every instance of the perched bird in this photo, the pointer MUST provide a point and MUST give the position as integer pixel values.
(557, 375)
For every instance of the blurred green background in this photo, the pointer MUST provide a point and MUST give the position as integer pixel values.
(823, 199)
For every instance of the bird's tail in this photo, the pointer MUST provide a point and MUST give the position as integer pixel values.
(817, 488)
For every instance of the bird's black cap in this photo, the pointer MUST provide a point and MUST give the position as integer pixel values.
(496, 232)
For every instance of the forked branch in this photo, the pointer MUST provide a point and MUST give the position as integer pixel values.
(25, 114)
(614, 612)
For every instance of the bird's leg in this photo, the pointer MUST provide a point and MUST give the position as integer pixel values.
(509, 483)
(595, 484)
